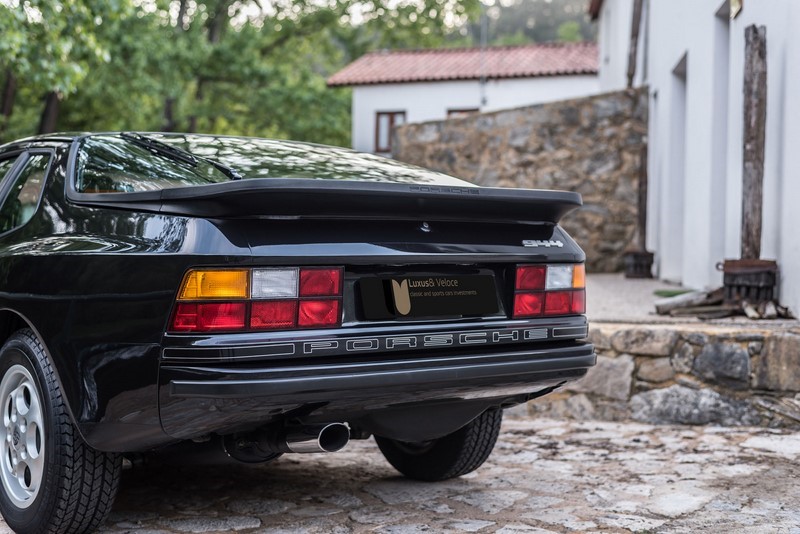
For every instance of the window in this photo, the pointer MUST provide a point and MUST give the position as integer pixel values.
(458, 113)
(384, 122)
(24, 194)
(6, 166)
(111, 164)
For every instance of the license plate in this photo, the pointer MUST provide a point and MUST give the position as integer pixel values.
(428, 296)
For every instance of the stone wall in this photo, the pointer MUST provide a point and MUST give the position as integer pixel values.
(589, 145)
(689, 374)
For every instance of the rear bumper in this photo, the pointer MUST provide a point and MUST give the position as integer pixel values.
(198, 399)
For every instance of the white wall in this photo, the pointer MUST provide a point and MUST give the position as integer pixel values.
(710, 192)
(430, 101)
(613, 38)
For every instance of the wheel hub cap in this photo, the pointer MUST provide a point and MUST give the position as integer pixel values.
(21, 437)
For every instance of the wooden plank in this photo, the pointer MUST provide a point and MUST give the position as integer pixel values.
(755, 118)
(719, 310)
(686, 300)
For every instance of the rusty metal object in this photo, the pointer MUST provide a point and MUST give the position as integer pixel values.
(638, 264)
(749, 280)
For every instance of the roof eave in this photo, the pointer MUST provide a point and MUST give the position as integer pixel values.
(585, 72)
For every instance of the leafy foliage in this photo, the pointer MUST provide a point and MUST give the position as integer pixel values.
(530, 21)
(248, 67)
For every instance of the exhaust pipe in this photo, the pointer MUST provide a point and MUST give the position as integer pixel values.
(331, 437)
(269, 443)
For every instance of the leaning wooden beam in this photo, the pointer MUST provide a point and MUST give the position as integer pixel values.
(755, 118)
(686, 300)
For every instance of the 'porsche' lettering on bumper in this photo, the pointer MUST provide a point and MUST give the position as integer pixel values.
(404, 342)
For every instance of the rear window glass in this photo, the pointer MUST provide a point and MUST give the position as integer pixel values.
(109, 163)
(114, 165)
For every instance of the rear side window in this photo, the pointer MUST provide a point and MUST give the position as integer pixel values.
(5, 166)
(24, 194)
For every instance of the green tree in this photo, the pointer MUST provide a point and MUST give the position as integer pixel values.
(251, 67)
(569, 32)
(529, 21)
(49, 45)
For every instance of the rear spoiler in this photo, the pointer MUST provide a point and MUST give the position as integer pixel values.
(331, 199)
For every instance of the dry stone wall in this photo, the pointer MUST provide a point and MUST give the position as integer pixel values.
(589, 145)
(688, 374)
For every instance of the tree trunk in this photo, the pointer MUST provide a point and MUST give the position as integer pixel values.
(7, 105)
(198, 100)
(9, 93)
(49, 118)
(169, 115)
(216, 26)
(755, 119)
(181, 14)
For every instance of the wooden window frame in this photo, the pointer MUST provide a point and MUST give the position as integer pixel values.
(392, 122)
(461, 112)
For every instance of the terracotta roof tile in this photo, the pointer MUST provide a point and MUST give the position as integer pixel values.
(399, 66)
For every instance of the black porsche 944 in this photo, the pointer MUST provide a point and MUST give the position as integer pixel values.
(271, 297)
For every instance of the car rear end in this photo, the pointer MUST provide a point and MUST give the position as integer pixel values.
(401, 303)
(375, 333)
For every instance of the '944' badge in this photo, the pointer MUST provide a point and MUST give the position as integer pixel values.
(538, 243)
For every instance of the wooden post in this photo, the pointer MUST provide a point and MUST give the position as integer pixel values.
(636, 22)
(755, 118)
(642, 204)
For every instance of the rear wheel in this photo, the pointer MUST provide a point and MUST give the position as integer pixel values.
(50, 480)
(450, 456)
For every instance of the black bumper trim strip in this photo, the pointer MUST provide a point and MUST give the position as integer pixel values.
(523, 367)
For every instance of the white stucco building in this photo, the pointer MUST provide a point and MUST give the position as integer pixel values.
(692, 59)
(390, 88)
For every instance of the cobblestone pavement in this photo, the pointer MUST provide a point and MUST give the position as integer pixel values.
(544, 476)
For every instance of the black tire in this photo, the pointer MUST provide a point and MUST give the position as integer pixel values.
(450, 456)
(78, 484)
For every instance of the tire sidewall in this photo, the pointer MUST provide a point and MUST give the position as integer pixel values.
(18, 351)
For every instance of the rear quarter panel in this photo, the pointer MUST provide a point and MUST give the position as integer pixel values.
(97, 285)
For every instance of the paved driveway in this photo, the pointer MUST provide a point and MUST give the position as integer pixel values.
(544, 476)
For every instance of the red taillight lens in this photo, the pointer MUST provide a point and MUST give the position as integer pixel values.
(578, 301)
(318, 313)
(320, 282)
(273, 314)
(549, 290)
(190, 317)
(271, 297)
(558, 303)
(531, 277)
(528, 304)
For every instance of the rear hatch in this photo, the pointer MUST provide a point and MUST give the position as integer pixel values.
(415, 245)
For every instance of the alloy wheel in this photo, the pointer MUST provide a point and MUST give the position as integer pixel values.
(21, 437)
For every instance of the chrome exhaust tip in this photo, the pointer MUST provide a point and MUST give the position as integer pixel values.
(331, 437)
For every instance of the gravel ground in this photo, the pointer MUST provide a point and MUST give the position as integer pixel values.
(612, 297)
(544, 476)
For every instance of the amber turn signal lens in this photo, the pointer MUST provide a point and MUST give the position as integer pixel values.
(579, 276)
(217, 284)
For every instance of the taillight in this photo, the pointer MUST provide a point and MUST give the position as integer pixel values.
(239, 300)
(549, 290)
